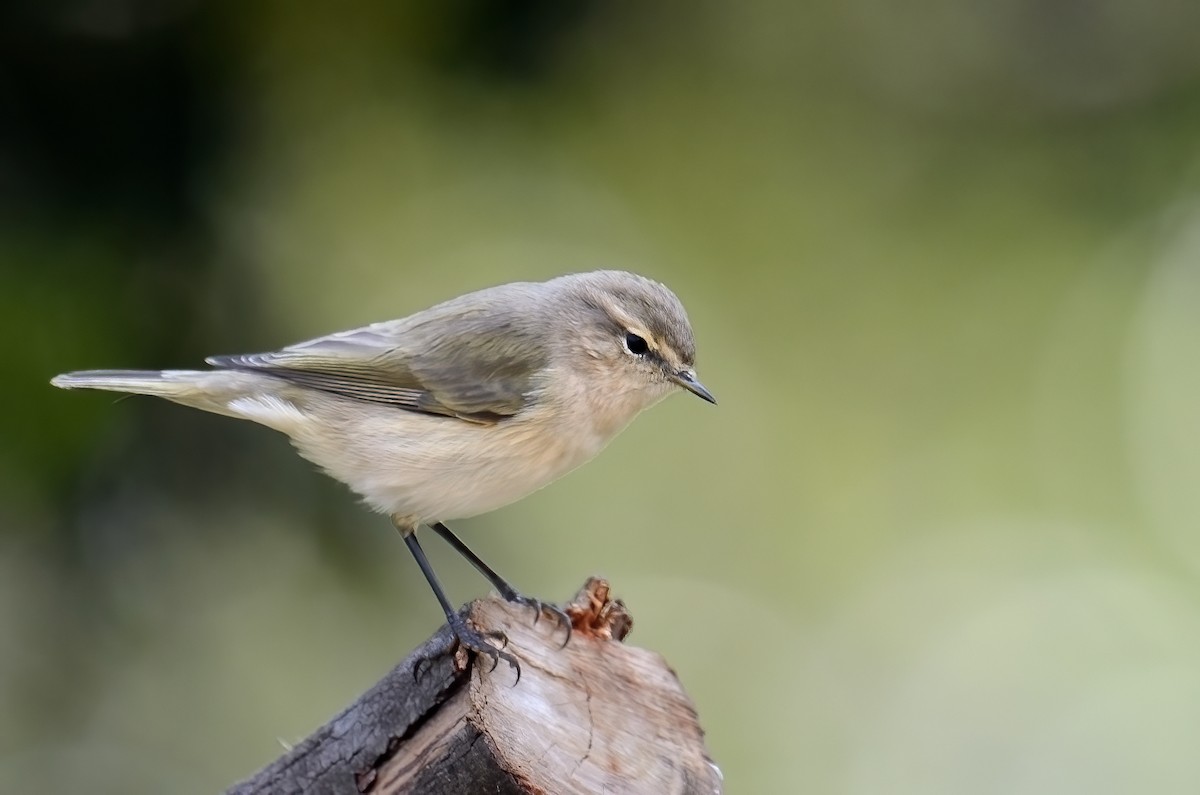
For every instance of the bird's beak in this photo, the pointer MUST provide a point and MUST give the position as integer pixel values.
(687, 380)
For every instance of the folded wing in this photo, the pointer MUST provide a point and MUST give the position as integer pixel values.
(483, 370)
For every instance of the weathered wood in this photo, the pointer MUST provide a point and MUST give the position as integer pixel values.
(594, 717)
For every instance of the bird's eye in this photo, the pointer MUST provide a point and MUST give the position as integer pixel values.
(635, 344)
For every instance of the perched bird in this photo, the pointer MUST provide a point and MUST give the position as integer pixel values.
(459, 409)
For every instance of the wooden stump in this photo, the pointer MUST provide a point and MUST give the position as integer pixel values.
(594, 717)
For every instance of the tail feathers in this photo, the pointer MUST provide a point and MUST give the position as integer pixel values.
(210, 390)
(234, 393)
(164, 383)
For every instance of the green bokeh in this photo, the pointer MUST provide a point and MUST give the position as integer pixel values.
(939, 536)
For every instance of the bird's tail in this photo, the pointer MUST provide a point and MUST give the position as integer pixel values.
(162, 383)
(210, 390)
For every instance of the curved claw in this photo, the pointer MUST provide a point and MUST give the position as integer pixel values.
(479, 643)
(476, 642)
(418, 666)
(425, 663)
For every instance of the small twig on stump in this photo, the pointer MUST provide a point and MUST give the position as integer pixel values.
(595, 717)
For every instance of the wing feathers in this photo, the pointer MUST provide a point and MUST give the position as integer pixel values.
(408, 364)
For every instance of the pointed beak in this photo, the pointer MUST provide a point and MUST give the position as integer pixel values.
(687, 380)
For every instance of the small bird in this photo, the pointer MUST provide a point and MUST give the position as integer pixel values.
(459, 409)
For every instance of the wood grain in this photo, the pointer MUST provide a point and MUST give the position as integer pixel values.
(597, 716)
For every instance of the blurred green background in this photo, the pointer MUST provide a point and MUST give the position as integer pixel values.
(943, 261)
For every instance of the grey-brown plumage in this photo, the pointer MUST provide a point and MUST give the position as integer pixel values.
(476, 356)
(456, 359)
(463, 407)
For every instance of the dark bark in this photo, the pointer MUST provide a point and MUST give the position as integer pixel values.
(595, 716)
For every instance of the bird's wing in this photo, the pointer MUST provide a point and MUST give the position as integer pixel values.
(483, 371)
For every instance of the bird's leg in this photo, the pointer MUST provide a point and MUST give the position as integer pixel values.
(467, 638)
(502, 585)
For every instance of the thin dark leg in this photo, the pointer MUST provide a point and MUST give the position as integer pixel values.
(502, 585)
(467, 638)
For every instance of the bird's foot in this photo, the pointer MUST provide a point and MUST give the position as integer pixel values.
(466, 640)
(557, 613)
(483, 644)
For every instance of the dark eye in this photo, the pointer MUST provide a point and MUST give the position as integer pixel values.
(635, 344)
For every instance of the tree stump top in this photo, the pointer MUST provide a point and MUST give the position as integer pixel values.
(596, 716)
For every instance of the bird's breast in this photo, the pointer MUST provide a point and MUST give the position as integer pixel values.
(441, 468)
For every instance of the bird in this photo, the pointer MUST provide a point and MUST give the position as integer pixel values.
(459, 409)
